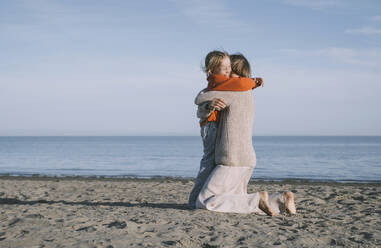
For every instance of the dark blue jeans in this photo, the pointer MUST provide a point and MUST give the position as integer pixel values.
(207, 163)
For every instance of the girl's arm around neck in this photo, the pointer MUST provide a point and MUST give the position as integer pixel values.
(222, 83)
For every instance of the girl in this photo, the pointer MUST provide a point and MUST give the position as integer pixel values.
(216, 62)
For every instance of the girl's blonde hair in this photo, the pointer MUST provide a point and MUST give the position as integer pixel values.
(240, 65)
(213, 61)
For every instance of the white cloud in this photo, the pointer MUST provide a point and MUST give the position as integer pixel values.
(369, 57)
(328, 101)
(44, 21)
(314, 4)
(211, 15)
(364, 30)
(99, 95)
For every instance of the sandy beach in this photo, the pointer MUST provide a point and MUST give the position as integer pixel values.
(96, 212)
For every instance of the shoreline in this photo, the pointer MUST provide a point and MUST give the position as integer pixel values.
(292, 181)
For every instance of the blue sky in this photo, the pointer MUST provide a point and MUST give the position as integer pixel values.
(133, 67)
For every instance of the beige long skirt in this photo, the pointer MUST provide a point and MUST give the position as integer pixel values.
(226, 191)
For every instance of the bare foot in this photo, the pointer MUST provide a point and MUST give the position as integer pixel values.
(264, 203)
(289, 202)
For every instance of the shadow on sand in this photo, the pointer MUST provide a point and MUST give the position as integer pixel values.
(13, 201)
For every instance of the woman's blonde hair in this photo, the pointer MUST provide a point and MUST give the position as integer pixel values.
(213, 61)
(240, 65)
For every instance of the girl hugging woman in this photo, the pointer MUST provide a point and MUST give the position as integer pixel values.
(226, 112)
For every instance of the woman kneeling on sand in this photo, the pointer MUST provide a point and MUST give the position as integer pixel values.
(225, 190)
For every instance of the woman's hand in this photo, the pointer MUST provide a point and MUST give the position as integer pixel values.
(217, 104)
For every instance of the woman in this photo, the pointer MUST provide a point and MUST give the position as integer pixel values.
(226, 188)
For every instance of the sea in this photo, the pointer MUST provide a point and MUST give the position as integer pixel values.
(315, 158)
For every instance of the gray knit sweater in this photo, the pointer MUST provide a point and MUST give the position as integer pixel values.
(234, 146)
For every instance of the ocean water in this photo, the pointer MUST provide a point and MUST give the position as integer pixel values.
(338, 158)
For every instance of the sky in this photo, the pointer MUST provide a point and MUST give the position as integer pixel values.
(86, 67)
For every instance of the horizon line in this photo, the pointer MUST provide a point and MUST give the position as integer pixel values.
(259, 135)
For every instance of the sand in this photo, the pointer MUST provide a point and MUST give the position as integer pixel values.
(78, 212)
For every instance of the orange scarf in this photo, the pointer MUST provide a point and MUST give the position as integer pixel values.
(223, 83)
